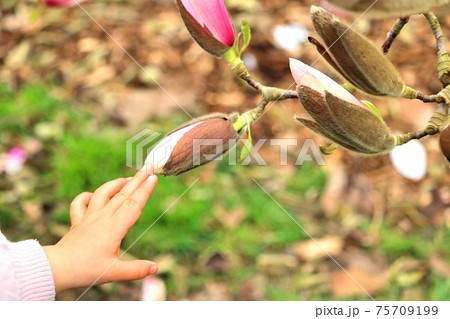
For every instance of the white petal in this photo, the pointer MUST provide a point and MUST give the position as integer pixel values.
(307, 76)
(410, 160)
(160, 154)
(153, 289)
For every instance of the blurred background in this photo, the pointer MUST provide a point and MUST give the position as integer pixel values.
(70, 98)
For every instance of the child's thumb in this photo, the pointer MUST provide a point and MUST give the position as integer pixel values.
(133, 269)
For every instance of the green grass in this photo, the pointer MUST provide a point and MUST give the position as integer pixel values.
(79, 156)
(440, 288)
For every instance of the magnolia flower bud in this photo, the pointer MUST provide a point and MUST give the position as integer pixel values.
(209, 24)
(444, 140)
(388, 8)
(61, 3)
(338, 115)
(193, 144)
(356, 58)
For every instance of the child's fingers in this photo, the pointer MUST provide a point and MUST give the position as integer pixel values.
(104, 193)
(130, 211)
(131, 270)
(78, 207)
(126, 192)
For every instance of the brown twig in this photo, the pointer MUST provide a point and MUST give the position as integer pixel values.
(268, 93)
(289, 94)
(432, 127)
(262, 105)
(429, 98)
(393, 33)
(401, 139)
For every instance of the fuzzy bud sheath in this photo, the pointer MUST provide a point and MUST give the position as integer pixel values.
(356, 58)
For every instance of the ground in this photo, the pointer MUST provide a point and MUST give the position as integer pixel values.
(71, 97)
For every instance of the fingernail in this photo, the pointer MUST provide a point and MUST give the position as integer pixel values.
(153, 269)
(151, 178)
(128, 178)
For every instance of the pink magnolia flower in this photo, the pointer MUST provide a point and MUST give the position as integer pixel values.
(337, 114)
(209, 24)
(13, 161)
(329, 7)
(61, 3)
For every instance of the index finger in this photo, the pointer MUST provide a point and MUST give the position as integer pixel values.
(130, 211)
(129, 188)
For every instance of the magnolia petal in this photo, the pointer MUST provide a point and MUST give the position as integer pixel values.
(194, 144)
(153, 289)
(199, 32)
(388, 8)
(218, 129)
(61, 3)
(324, 53)
(212, 15)
(307, 76)
(410, 160)
(188, 6)
(162, 151)
(362, 125)
(14, 160)
(334, 9)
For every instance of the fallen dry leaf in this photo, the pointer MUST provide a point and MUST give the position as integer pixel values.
(276, 264)
(336, 185)
(343, 286)
(252, 289)
(312, 250)
(213, 291)
(232, 219)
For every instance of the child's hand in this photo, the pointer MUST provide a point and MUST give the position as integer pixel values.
(100, 221)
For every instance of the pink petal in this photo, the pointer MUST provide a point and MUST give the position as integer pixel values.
(316, 80)
(213, 15)
(17, 154)
(61, 3)
(13, 161)
(187, 4)
(337, 12)
(153, 289)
